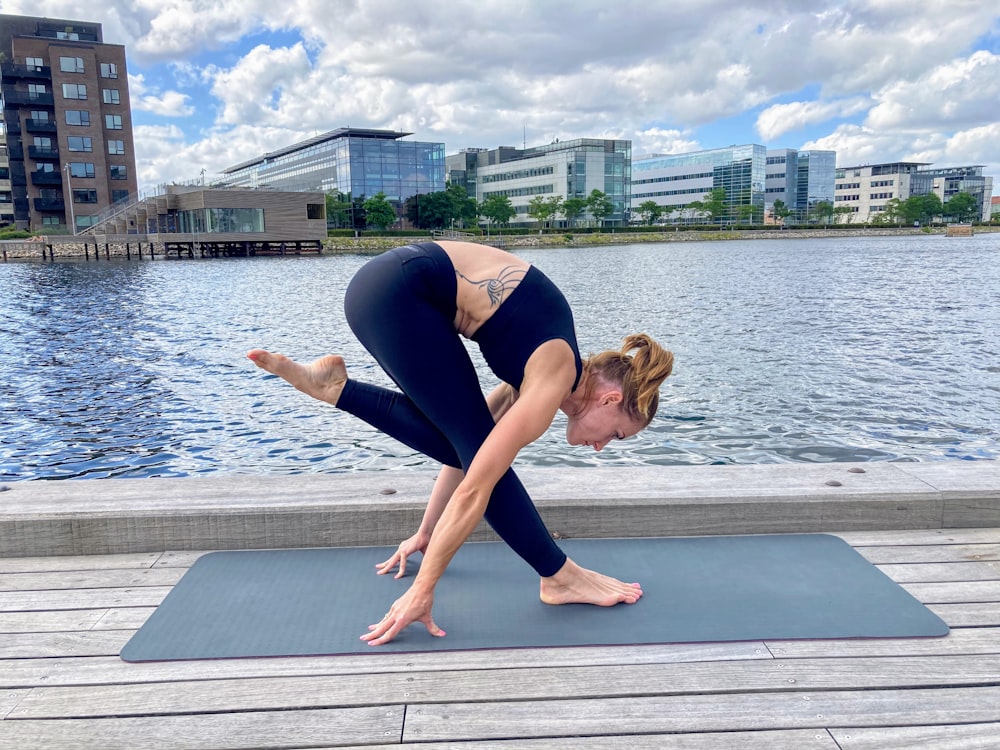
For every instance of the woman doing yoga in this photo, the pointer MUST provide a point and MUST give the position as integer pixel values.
(409, 307)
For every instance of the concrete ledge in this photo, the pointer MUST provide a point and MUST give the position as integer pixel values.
(113, 516)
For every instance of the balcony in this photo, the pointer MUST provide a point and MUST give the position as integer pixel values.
(26, 98)
(40, 126)
(43, 152)
(49, 204)
(15, 70)
(39, 177)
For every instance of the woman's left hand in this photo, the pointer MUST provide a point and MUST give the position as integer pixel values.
(413, 606)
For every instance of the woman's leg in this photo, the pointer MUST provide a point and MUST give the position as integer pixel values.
(403, 311)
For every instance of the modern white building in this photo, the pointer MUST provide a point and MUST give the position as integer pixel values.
(866, 189)
(564, 169)
(674, 181)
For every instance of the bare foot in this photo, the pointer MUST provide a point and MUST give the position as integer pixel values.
(324, 379)
(575, 585)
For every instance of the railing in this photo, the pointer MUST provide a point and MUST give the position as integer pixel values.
(39, 177)
(49, 204)
(15, 70)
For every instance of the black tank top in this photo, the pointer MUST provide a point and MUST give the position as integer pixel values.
(535, 312)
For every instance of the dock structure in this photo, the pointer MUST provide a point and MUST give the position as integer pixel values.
(84, 563)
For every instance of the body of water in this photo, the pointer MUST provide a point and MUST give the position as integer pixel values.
(789, 351)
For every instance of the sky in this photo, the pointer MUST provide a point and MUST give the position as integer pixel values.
(216, 82)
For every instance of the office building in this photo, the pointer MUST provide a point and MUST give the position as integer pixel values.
(563, 169)
(357, 163)
(866, 189)
(801, 180)
(674, 181)
(66, 150)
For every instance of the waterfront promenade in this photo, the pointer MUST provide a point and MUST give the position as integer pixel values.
(84, 563)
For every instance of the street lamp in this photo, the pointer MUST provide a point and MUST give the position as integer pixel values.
(69, 190)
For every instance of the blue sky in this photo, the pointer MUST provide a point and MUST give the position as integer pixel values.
(216, 82)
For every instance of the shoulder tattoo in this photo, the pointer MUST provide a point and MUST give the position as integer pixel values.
(502, 284)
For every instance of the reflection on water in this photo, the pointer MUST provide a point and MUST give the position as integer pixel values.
(819, 350)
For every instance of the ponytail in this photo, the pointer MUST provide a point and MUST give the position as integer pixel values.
(638, 368)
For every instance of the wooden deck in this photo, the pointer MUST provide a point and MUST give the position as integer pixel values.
(64, 619)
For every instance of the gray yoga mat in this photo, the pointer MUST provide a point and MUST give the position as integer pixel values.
(320, 601)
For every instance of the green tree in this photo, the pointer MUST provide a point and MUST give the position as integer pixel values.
(891, 213)
(650, 211)
(921, 208)
(497, 209)
(463, 208)
(600, 206)
(823, 211)
(573, 208)
(780, 211)
(713, 203)
(746, 213)
(843, 211)
(430, 210)
(338, 210)
(542, 209)
(962, 207)
(379, 212)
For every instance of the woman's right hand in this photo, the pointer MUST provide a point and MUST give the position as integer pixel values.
(416, 543)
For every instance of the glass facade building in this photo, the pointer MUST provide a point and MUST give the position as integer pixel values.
(564, 169)
(801, 179)
(674, 181)
(356, 163)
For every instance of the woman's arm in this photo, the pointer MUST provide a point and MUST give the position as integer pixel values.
(524, 421)
(500, 400)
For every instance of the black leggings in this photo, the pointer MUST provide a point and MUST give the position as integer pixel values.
(401, 306)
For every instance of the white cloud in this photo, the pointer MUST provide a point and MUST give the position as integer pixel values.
(164, 104)
(779, 119)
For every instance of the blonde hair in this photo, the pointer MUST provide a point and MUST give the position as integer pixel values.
(639, 375)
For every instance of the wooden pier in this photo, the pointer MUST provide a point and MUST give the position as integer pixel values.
(64, 617)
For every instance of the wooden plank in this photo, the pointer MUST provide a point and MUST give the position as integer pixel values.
(82, 643)
(960, 641)
(690, 713)
(234, 731)
(78, 562)
(794, 739)
(90, 579)
(110, 669)
(179, 559)
(506, 684)
(933, 536)
(926, 553)
(8, 701)
(50, 622)
(987, 570)
(968, 615)
(34, 601)
(948, 736)
(952, 593)
(127, 618)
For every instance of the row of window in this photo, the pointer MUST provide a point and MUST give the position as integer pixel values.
(43, 144)
(871, 197)
(674, 178)
(74, 91)
(520, 192)
(73, 65)
(519, 174)
(86, 169)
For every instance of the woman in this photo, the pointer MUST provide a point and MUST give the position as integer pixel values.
(408, 307)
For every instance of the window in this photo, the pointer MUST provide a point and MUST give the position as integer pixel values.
(72, 36)
(50, 221)
(74, 90)
(80, 143)
(35, 63)
(113, 122)
(42, 142)
(119, 172)
(77, 117)
(71, 64)
(111, 96)
(117, 196)
(81, 169)
(315, 211)
(82, 222)
(109, 70)
(39, 115)
(36, 90)
(85, 196)
(45, 166)
(116, 147)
